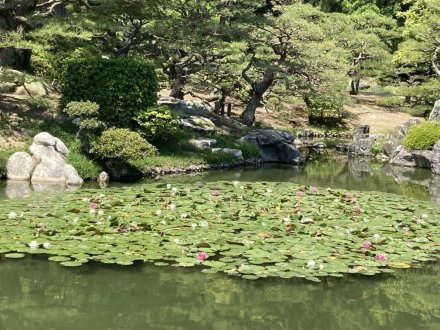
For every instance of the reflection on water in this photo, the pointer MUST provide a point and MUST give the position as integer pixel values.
(341, 173)
(44, 295)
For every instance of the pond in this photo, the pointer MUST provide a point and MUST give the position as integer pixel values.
(38, 294)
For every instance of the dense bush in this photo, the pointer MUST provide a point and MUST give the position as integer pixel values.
(422, 136)
(325, 109)
(40, 104)
(157, 122)
(123, 87)
(122, 144)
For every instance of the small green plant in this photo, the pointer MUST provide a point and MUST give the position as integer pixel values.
(249, 150)
(122, 144)
(86, 112)
(422, 136)
(219, 157)
(377, 147)
(325, 109)
(157, 122)
(40, 104)
(87, 168)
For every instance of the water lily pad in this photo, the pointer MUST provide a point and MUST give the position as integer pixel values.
(14, 255)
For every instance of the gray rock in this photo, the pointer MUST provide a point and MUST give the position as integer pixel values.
(275, 146)
(416, 158)
(389, 147)
(203, 143)
(405, 127)
(61, 147)
(20, 166)
(46, 154)
(361, 132)
(103, 177)
(17, 188)
(362, 147)
(51, 172)
(435, 162)
(48, 186)
(44, 139)
(7, 87)
(364, 85)
(36, 88)
(72, 177)
(198, 123)
(184, 107)
(435, 113)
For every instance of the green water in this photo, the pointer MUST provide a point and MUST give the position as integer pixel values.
(38, 294)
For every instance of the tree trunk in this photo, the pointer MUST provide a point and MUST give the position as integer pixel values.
(355, 87)
(16, 58)
(248, 115)
(177, 91)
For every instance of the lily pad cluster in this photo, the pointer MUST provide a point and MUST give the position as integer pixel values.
(252, 230)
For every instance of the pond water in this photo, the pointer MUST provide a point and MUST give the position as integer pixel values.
(38, 294)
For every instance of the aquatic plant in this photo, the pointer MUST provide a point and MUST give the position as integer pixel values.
(251, 230)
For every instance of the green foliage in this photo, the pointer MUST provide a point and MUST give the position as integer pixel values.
(422, 136)
(157, 123)
(122, 87)
(249, 150)
(40, 104)
(87, 168)
(122, 144)
(420, 110)
(377, 147)
(391, 102)
(86, 112)
(219, 157)
(325, 109)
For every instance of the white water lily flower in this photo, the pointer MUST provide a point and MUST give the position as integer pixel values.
(321, 267)
(235, 183)
(172, 206)
(376, 236)
(100, 222)
(174, 189)
(311, 264)
(241, 187)
(177, 241)
(92, 211)
(287, 220)
(247, 242)
(33, 244)
(269, 191)
(12, 215)
(75, 221)
(168, 186)
(193, 225)
(46, 245)
(158, 212)
(163, 222)
(184, 215)
(100, 212)
(424, 216)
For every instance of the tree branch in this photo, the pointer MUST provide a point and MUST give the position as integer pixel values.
(434, 59)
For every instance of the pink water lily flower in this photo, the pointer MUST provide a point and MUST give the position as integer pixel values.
(366, 245)
(313, 189)
(406, 229)
(348, 195)
(201, 256)
(93, 206)
(215, 193)
(381, 256)
(299, 193)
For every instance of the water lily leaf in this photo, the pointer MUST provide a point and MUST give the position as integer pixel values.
(14, 255)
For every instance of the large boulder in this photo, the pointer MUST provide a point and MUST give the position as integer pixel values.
(20, 166)
(237, 153)
(403, 129)
(203, 143)
(435, 162)
(36, 88)
(435, 113)
(46, 165)
(414, 158)
(275, 146)
(184, 107)
(16, 58)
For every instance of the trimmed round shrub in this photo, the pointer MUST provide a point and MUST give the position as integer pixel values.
(157, 122)
(422, 136)
(123, 87)
(122, 144)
